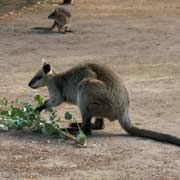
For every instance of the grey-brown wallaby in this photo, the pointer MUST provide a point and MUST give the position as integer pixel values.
(62, 20)
(98, 92)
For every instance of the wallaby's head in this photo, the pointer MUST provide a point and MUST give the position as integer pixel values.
(53, 15)
(41, 77)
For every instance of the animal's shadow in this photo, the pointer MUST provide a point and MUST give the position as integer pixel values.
(30, 136)
(44, 32)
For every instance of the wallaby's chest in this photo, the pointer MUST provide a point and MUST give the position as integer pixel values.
(53, 90)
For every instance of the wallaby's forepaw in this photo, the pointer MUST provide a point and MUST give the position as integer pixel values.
(40, 108)
(86, 130)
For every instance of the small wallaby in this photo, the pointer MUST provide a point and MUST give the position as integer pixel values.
(98, 92)
(62, 20)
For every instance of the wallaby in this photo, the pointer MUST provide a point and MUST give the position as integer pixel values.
(62, 20)
(98, 92)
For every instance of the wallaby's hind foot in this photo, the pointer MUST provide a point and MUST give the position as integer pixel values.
(97, 125)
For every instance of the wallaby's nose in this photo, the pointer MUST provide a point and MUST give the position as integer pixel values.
(30, 84)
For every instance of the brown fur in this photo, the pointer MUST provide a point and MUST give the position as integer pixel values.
(99, 93)
(62, 20)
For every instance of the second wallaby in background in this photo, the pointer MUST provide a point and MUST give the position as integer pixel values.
(98, 92)
(62, 20)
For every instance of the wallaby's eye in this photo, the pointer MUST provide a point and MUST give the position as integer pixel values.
(38, 78)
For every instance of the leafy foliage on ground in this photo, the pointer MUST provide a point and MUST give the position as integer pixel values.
(21, 115)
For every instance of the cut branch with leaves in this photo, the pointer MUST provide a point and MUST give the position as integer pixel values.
(20, 115)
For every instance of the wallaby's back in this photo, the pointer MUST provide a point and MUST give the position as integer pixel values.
(58, 12)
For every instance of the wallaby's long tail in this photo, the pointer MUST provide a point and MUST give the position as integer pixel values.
(45, 28)
(41, 28)
(132, 130)
(153, 135)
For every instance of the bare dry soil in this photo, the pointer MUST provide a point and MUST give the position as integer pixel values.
(140, 41)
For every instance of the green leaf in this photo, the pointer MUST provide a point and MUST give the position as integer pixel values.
(10, 123)
(81, 138)
(52, 116)
(39, 100)
(4, 113)
(68, 116)
(4, 102)
(17, 101)
(20, 123)
(15, 112)
(3, 127)
(49, 129)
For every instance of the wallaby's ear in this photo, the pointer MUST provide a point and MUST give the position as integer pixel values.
(46, 68)
(44, 61)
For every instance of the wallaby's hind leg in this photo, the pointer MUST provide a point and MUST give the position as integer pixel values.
(66, 28)
(98, 124)
(86, 124)
(53, 26)
(125, 121)
(86, 116)
(59, 28)
(93, 102)
(60, 25)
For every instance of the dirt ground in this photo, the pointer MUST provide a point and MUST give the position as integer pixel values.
(140, 41)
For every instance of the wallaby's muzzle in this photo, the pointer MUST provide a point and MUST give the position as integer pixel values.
(31, 83)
